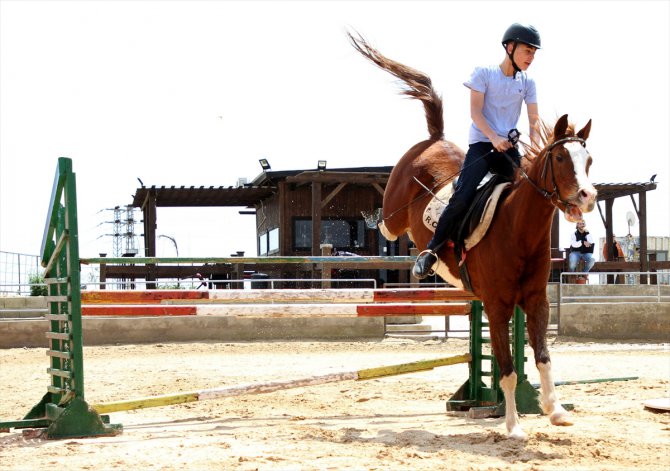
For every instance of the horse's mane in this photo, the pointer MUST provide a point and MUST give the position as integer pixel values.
(545, 133)
(533, 150)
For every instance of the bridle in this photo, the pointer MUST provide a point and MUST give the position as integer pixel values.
(513, 136)
(555, 195)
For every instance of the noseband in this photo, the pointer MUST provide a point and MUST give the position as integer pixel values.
(555, 195)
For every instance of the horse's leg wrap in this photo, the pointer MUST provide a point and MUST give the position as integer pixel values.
(549, 401)
(508, 385)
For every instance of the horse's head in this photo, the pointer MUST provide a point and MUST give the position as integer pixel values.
(565, 168)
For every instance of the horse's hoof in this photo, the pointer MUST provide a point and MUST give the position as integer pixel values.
(561, 418)
(517, 434)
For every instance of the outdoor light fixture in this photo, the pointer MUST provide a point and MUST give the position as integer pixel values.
(321, 165)
(265, 165)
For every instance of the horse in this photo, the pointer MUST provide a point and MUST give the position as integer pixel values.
(510, 265)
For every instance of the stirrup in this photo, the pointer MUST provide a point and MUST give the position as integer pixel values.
(431, 272)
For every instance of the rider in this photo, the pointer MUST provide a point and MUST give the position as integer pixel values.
(496, 95)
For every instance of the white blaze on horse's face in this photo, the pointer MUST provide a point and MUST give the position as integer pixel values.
(581, 161)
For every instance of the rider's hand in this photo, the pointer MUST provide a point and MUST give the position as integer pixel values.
(501, 144)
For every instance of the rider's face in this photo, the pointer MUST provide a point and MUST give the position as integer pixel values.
(524, 55)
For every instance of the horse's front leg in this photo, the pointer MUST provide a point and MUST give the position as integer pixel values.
(537, 319)
(499, 325)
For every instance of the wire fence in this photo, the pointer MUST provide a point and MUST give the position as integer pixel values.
(17, 272)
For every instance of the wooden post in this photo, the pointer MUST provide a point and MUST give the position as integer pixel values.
(316, 217)
(608, 230)
(149, 213)
(642, 218)
(103, 273)
(326, 251)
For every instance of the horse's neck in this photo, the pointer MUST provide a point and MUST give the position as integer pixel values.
(530, 214)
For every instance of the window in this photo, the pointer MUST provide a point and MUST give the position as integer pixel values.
(263, 244)
(268, 243)
(273, 241)
(343, 234)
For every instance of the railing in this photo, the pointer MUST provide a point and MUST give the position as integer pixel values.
(658, 292)
(16, 272)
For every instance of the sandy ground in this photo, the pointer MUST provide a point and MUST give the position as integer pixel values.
(391, 423)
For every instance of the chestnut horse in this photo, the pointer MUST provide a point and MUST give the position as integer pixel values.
(510, 265)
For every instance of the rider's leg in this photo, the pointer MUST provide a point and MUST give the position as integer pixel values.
(501, 165)
(475, 167)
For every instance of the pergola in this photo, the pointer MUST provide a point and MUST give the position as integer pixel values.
(268, 184)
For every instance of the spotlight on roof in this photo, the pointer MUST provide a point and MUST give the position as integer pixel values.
(265, 165)
(321, 165)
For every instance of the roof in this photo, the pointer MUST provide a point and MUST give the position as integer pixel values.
(271, 177)
(265, 185)
(608, 191)
(200, 196)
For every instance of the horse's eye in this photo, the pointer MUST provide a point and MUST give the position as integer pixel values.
(559, 158)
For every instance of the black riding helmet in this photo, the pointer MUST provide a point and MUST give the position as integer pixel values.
(519, 33)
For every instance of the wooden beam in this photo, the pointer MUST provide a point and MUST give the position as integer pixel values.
(332, 194)
(338, 177)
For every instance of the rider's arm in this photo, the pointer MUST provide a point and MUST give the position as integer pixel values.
(476, 107)
(533, 117)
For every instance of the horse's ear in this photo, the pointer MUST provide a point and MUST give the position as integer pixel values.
(561, 127)
(584, 133)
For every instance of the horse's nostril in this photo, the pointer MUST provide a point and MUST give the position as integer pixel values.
(585, 194)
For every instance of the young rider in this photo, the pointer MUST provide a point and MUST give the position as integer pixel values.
(496, 95)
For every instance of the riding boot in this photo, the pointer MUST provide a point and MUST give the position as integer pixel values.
(423, 266)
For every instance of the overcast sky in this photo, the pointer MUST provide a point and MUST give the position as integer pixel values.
(194, 93)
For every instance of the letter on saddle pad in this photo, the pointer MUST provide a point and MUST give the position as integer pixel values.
(436, 206)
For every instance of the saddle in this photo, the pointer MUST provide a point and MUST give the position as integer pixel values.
(476, 221)
(478, 217)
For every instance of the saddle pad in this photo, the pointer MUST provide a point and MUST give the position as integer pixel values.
(435, 207)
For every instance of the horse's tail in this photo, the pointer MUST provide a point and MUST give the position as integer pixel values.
(418, 85)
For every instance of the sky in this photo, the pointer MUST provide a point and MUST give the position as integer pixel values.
(196, 92)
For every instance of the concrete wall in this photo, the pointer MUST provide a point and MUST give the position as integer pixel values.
(112, 330)
(22, 306)
(620, 321)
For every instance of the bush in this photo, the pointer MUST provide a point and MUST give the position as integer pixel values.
(37, 287)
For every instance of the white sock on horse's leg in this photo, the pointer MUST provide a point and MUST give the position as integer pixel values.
(508, 385)
(549, 400)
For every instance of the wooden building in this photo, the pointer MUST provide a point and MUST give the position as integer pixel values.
(299, 210)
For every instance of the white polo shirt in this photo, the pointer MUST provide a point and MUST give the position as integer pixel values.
(503, 97)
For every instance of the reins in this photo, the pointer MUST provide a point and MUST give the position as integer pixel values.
(513, 136)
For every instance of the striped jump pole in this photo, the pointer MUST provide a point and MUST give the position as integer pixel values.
(279, 303)
(262, 388)
(282, 310)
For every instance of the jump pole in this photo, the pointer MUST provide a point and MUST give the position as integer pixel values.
(262, 388)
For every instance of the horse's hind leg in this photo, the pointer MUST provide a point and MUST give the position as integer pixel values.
(499, 325)
(537, 320)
